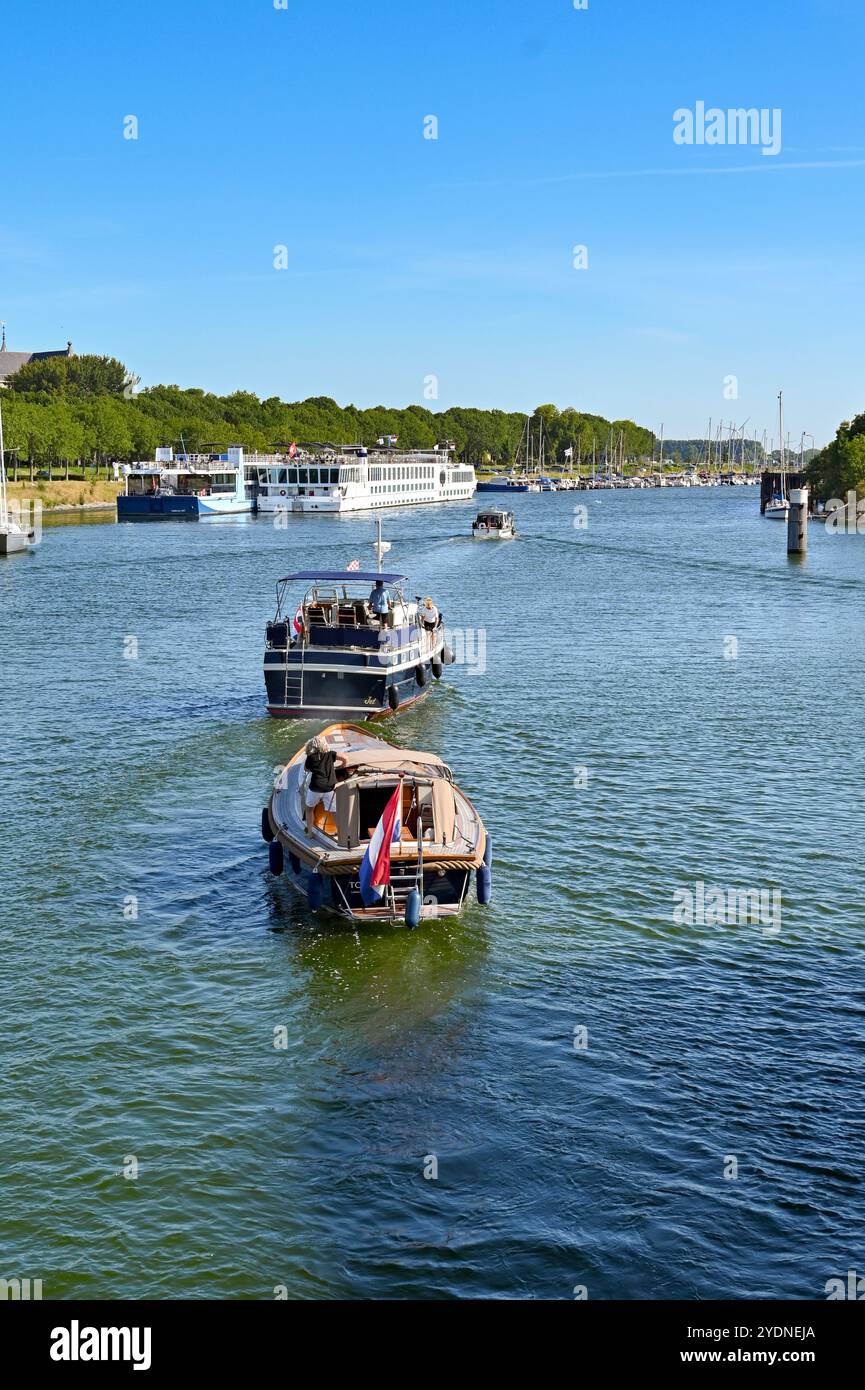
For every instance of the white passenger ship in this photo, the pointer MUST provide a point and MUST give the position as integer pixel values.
(358, 479)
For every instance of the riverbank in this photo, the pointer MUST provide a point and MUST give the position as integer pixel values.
(72, 496)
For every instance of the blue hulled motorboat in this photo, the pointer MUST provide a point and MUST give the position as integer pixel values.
(354, 646)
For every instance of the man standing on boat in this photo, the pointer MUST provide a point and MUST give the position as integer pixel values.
(378, 600)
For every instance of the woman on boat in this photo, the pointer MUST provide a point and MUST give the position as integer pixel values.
(321, 763)
(428, 613)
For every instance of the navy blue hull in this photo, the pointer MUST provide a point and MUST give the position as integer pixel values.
(446, 889)
(339, 694)
(502, 487)
(157, 508)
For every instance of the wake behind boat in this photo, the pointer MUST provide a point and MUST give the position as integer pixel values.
(395, 840)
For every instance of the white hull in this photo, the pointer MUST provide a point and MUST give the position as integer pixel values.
(359, 502)
(776, 513)
(14, 541)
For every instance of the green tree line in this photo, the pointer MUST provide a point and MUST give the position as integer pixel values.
(85, 408)
(841, 465)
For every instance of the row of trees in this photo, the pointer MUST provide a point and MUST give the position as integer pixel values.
(86, 408)
(841, 465)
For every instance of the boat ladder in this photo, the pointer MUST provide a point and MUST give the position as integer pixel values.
(402, 881)
(405, 875)
(293, 684)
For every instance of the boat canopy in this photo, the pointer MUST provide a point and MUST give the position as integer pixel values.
(363, 576)
(392, 760)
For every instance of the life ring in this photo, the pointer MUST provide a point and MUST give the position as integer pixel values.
(282, 492)
(393, 697)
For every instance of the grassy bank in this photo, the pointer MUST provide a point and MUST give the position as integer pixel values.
(63, 494)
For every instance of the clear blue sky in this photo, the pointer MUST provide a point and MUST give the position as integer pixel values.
(410, 257)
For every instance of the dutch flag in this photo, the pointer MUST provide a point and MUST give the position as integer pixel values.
(375, 868)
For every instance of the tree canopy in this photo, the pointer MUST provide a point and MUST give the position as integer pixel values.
(67, 408)
(841, 465)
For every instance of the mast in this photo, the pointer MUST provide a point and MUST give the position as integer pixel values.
(781, 437)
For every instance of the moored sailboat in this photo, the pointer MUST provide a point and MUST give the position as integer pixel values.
(14, 538)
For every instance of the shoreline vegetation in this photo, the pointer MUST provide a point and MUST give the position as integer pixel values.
(61, 412)
(77, 416)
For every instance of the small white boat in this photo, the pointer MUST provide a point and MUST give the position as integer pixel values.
(494, 524)
(778, 509)
(14, 538)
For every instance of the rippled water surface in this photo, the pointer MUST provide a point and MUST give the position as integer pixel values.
(152, 1036)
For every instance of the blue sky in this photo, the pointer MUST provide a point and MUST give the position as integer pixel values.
(452, 257)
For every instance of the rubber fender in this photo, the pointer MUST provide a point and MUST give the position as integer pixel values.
(485, 885)
(412, 908)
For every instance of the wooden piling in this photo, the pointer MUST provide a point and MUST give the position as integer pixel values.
(797, 522)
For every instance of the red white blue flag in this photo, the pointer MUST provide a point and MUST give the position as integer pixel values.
(375, 868)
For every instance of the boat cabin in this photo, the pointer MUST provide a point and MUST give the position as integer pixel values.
(341, 611)
(141, 482)
(365, 785)
(494, 519)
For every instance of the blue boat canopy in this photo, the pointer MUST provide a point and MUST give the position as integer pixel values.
(361, 575)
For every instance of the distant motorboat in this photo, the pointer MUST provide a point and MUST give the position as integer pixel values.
(502, 484)
(494, 524)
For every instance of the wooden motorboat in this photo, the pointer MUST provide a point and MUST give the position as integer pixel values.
(439, 837)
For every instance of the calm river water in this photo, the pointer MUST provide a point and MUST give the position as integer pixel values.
(662, 700)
